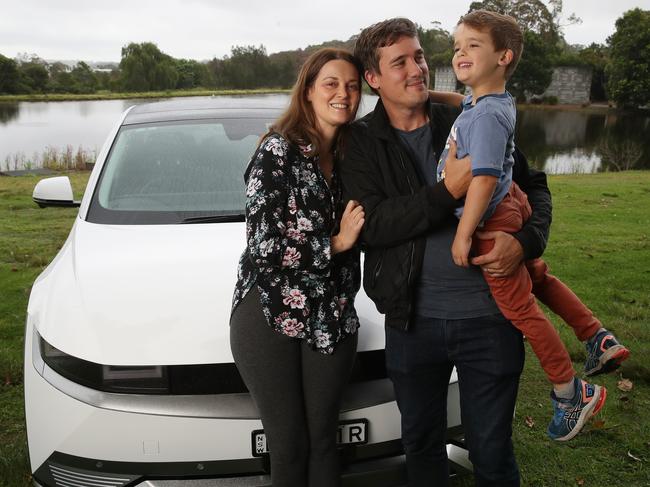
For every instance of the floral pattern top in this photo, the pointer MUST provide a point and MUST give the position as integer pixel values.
(291, 214)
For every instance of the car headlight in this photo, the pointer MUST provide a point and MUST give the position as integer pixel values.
(145, 379)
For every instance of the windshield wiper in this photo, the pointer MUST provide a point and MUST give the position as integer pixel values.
(234, 217)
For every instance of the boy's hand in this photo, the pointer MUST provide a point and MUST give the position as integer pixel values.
(460, 250)
(458, 172)
(504, 258)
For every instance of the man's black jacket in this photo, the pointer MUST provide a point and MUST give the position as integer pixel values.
(401, 209)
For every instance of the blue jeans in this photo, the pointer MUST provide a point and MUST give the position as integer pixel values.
(488, 354)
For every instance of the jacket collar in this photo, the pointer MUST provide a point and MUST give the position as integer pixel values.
(379, 124)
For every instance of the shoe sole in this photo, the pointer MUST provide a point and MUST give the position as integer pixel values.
(588, 412)
(609, 361)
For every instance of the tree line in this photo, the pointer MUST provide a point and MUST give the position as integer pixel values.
(619, 68)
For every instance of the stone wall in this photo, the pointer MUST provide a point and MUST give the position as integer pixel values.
(444, 79)
(570, 84)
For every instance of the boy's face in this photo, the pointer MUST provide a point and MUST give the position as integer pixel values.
(475, 61)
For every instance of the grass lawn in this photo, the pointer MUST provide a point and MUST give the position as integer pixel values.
(599, 246)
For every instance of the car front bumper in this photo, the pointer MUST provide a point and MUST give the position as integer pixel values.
(79, 436)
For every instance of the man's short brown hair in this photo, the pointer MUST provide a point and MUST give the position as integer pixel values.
(381, 34)
(503, 30)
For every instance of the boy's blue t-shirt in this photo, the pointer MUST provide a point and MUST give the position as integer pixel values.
(485, 131)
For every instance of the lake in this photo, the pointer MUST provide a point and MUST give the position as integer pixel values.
(558, 140)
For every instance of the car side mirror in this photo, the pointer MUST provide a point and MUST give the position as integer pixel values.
(54, 192)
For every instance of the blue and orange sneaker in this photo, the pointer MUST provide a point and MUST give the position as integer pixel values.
(570, 415)
(604, 353)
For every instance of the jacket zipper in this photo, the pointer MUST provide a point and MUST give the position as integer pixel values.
(411, 246)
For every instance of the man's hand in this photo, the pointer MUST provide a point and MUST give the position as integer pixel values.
(458, 172)
(504, 258)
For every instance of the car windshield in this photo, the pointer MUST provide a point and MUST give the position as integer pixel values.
(176, 172)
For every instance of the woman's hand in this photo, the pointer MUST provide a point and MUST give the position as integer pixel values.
(351, 224)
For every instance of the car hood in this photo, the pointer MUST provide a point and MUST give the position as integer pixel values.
(149, 294)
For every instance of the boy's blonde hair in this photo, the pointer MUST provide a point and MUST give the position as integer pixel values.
(503, 30)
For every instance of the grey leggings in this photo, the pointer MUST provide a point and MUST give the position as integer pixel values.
(298, 393)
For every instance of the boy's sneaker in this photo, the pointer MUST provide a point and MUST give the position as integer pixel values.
(604, 353)
(570, 415)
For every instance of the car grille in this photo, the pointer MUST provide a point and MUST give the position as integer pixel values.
(66, 477)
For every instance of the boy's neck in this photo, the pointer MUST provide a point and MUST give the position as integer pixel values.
(495, 86)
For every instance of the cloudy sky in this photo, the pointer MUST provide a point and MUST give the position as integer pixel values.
(202, 29)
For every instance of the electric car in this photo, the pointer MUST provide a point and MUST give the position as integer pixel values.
(129, 378)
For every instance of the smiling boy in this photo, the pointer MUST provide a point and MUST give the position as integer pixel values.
(487, 48)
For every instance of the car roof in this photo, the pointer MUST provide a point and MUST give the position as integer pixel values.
(201, 108)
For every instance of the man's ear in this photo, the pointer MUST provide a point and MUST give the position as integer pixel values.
(372, 79)
(506, 58)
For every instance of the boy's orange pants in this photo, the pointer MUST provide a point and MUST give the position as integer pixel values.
(515, 295)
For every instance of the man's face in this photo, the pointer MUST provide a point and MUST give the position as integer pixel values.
(403, 81)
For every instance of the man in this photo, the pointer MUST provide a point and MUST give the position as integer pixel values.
(438, 315)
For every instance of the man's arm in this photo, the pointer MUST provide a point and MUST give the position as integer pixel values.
(533, 237)
(391, 220)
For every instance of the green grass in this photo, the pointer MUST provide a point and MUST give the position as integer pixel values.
(109, 95)
(599, 246)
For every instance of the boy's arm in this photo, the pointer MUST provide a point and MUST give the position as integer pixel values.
(529, 243)
(477, 200)
(446, 97)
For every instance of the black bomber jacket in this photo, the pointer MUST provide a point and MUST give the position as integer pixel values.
(401, 209)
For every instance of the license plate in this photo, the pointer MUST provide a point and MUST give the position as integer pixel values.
(350, 432)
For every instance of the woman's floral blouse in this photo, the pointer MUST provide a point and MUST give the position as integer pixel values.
(291, 213)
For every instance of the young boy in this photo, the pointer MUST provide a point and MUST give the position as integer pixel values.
(487, 47)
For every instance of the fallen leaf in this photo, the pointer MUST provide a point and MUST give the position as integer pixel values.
(580, 481)
(7, 380)
(598, 424)
(624, 399)
(14, 269)
(624, 385)
(529, 421)
(636, 459)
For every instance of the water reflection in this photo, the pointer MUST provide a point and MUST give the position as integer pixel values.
(558, 140)
(8, 111)
(583, 141)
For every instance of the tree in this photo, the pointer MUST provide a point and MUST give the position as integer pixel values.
(247, 67)
(628, 71)
(193, 74)
(9, 76)
(145, 68)
(438, 44)
(84, 78)
(534, 71)
(532, 15)
(596, 56)
(34, 77)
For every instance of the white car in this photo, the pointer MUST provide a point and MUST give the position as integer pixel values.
(129, 378)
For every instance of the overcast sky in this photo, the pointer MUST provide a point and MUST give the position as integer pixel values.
(202, 29)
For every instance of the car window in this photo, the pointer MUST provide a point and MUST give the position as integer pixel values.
(174, 171)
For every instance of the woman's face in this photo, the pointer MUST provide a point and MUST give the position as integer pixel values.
(335, 95)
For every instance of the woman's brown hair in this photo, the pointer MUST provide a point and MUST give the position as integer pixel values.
(298, 123)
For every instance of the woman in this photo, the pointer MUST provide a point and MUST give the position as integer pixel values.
(293, 325)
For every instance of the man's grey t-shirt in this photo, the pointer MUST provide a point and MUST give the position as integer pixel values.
(445, 290)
